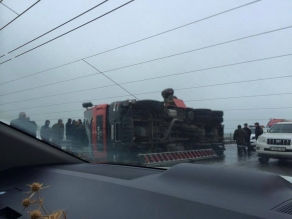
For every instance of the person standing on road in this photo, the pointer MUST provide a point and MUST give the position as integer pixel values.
(239, 136)
(247, 137)
(46, 132)
(258, 130)
(58, 132)
(74, 139)
(32, 128)
(69, 129)
(73, 126)
(21, 123)
(80, 137)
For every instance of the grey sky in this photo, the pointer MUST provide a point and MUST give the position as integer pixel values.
(137, 20)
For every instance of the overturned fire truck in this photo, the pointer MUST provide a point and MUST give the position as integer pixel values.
(150, 132)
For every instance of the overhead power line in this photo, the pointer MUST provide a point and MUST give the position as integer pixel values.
(112, 80)
(177, 54)
(119, 85)
(5, 61)
(74, 29)
(9, 8)
(134, 42)
(202, 48)
(125, 96)
(237, 120)
(259, 108)
(129, 82)
(80, 110)
(104, 98)
(19, 14)
(225, 120)
(72, 117)
(76, 116)
(250, 96)
(170, 30)
(58, 26)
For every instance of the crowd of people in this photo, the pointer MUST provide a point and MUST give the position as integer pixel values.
(73, 131)
(242, 136)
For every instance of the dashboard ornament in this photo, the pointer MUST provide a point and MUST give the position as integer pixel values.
(40, 212)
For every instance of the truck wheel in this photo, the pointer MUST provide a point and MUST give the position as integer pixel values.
(217, 113)
(190, 115)
(202, 119)
(206, 112)
(219, 153)
(217, 119)
(153, 105)
(264, 160)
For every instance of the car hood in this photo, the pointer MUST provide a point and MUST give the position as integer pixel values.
(278, 135)
(288, 178)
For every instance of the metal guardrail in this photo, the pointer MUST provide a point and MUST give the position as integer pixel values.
(228, 138)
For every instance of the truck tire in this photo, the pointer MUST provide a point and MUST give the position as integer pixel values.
(190, 115)
(219, 153)
(217, 119)
(205, 112)
(202, 119)
(264, 160)
(156, 106)
(217, 113)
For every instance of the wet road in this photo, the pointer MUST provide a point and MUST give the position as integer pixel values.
(232, 160)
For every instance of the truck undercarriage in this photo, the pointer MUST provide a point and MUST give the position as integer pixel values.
(147, 131)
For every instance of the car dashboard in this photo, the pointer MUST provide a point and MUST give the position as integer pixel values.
(117, 191)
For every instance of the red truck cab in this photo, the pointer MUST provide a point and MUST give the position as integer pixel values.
(96, 125)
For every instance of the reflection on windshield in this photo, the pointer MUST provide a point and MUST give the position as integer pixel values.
(143, 131)
(214, 58)
(281, 128)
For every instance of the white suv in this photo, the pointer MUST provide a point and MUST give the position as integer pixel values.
(252, 137)
(276, 143)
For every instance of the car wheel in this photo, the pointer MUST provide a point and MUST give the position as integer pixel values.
(264, 160)
(219, 153)
(282, 161)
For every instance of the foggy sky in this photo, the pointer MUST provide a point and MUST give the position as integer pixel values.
(135, 21)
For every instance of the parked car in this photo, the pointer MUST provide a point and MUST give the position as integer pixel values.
(277, 143)
(252, 137)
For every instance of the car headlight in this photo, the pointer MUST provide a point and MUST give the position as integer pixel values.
(262, 139)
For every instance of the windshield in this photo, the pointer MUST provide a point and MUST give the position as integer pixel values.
(281, 128)
(147, 83)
